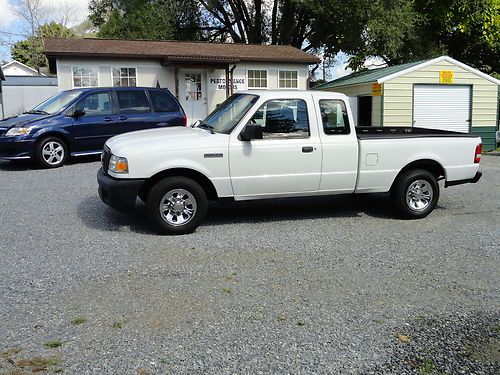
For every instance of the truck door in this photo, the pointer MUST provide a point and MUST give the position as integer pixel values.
(340, 146)
(287, 161)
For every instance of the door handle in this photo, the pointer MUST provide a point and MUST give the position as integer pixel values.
(122, 118)
(108, 119)
(307, 149)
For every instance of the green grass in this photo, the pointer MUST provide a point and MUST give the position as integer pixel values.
(281, 318)
(53, 344)
(117, 325)
(301, 324)
(426, 366)
(227, 290)
(78, 320)
(39, 362)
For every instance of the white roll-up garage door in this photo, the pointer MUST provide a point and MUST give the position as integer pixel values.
(442, 107)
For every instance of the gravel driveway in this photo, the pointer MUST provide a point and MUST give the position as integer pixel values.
(298, 286)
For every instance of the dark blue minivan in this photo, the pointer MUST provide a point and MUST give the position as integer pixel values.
(78, 122)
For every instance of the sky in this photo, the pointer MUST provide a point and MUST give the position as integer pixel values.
(11, 25)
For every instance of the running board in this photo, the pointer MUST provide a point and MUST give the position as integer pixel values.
(86, 153)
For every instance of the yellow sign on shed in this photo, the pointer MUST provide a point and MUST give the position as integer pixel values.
(446, 76)
(377, 89)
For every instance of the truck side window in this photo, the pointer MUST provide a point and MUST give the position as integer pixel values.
(334, 116)
(283, 118)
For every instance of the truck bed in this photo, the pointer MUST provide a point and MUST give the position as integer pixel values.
(391, 132)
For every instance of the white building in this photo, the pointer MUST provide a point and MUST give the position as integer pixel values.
(196, 72)
(16, 68)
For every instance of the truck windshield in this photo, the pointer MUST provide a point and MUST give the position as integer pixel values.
(56, 103)
(228, 114)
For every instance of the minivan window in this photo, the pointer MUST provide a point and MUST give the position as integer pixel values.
(133, 101)
(98, 104)
(162, 101)
(58, 102)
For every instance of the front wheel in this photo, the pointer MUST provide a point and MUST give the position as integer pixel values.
(415, 194)
(51, 152)
(176, 205)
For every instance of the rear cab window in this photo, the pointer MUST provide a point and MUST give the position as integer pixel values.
(334, 116)
(162, 101)
(133, 101)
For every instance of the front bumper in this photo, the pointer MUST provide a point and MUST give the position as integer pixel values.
(473, 180)
(16, 148)
(118, 193)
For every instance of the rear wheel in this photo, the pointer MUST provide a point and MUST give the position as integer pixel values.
(51, 152)
(176, 205)
(415, 194)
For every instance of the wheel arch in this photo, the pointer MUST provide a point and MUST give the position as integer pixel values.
(429, 165)
(195, 175)
(54, 133)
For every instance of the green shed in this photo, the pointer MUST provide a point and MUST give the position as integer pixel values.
(440, 93)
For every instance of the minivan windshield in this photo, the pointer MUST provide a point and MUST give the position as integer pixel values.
(56, 103)
(226, 116)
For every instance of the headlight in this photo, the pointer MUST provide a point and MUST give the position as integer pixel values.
(18, 131)
(118, 164)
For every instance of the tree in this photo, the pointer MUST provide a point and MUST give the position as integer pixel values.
(30, 50)
(402, 31)
(145, 19)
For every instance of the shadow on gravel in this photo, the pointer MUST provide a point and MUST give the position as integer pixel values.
(96, 214)
(27, 165)
(18, 165)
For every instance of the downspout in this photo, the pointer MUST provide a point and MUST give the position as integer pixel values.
(227, 81)
(1, 100)
(231, 74)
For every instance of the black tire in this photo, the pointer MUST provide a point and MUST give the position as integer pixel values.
(402, 197)
(158, 195)
(59, 157)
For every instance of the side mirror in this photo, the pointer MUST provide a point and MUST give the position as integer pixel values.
(78, 112)
(251, 131)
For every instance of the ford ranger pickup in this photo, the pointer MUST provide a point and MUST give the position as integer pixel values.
(275, 144)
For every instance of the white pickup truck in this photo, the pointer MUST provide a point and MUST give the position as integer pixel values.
(274, 144)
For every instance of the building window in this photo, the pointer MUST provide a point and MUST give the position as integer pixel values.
(124, 77)
(257, 79)
(288, 79)
(85, 76)
(193, 86)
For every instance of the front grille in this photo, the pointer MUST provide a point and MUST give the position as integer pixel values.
(106, 155)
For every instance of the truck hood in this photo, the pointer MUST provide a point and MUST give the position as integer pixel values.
(165, 139)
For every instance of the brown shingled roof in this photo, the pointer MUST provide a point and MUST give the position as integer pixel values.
(165, 49)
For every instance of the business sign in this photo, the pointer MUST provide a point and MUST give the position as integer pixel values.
(377, 89)
(446, 76)
(219, 83)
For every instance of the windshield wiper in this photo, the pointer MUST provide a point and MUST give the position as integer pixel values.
(204, 125)
(37, 112)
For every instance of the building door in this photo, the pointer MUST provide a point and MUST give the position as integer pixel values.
(193, 93)
(442, 107)
(364, 111)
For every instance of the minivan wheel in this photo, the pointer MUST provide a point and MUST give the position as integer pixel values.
(176, 205)
(51, 152)
(415, 194)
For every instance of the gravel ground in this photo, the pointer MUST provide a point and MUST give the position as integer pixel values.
(297, 286)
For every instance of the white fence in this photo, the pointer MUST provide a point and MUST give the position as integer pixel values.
(21, 93)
